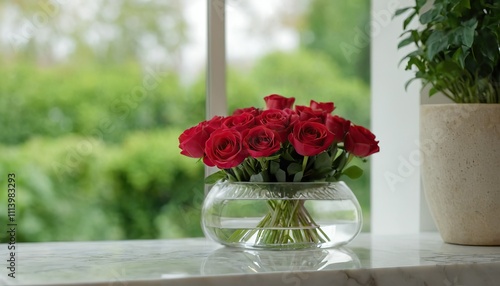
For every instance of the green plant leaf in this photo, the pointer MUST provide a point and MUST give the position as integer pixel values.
(436, 43)
(274, 167)
(433, 91)
(293, 168)
(420, 4)
(298, 176)
(409, 56)
(405, 42)
(408, 20)
(280, 175)
(460, 55)
(415, 61)
(353, 172)
(407, 84)
(340, 162)
(213, 178)
(459, 7)
(323, 160)
(468, 31)
(488, 47)
(430, 15)
(401, 11)
(257, 178)
(321, 173)
(287, 156)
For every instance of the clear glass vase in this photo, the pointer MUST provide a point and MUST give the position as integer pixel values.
(281, 215)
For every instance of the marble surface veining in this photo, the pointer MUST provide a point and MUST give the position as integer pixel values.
(368, 260)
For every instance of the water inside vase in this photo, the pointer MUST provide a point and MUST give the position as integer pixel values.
(336, 222)
(339, 232)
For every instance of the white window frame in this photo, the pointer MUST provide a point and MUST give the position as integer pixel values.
(398, 205)
(216, 59)
(397, 202)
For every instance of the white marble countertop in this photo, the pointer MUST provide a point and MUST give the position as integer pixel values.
(368, 260)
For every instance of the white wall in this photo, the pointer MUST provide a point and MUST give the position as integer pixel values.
(398, 205)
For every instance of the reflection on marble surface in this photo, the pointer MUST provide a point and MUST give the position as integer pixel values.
(231, 261)
(368, 260)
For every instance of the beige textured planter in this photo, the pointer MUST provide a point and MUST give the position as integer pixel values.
(461, 170)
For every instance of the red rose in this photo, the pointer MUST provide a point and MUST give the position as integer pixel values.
(308, 114)
(293, 116)
(213, 124)
(338, 126)
(326, 107)
(310, 138)
(192, 141)
(224, 149)
(240, 122)
(252, 110)
(360, 141)
(277, 120)
(261, 141)
(276, 101)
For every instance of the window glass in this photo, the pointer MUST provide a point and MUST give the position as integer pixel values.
(93, 96)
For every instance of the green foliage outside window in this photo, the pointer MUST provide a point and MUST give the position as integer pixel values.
(95, 148)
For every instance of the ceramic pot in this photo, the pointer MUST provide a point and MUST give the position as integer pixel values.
(460, 146)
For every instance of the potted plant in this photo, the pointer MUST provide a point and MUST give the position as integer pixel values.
(457, 54)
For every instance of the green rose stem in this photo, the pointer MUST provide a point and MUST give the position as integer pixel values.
(287, 221)
(304, 163)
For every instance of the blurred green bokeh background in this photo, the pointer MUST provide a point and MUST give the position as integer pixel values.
(92, 137)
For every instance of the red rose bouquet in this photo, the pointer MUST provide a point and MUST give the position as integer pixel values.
(281, 143)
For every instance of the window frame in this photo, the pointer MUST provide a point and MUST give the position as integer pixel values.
(398, 204)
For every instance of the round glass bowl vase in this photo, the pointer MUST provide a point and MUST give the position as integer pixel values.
(280, 216)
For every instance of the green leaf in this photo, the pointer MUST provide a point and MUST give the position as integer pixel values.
(407, 21)
(293, 168)
(287, 156)
(401, 11)
(298, 176)
(405, 42)
(321, 173)
(410, 56)
(446, 68)
(455, 36)
(257, 178)
(433, 91)
(420, 4)
(323, 160)
(274, 167)
(468, 31)
(460, 55)
(486, 44)
(415, 61)
(280, 176)
(213, 178)
(353, 172)
(407, 84)
(274, 157)
(340, 162)
(460, 7)
(430, 15)
(436, 43)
